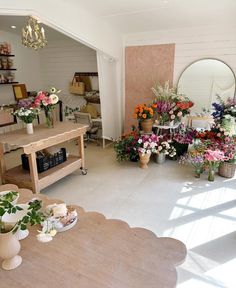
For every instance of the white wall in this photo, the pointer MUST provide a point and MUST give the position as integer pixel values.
(28, 67)
(192, 44)
(61, 58)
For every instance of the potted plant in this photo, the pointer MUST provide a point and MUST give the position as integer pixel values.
(164, 147)
(27, 115)
(126, 147)
(195, 157)
(144, 114)
(9, 245)
(146, 146)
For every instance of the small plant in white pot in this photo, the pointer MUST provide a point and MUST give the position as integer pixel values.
(9, 244)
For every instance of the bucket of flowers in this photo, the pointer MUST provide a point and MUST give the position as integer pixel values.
(47, 100)
(171, 106)
(146, 145)
(164, 147)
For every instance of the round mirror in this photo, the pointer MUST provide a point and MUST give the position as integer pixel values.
(203, 80)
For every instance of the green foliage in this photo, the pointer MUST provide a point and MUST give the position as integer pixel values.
(126, 147)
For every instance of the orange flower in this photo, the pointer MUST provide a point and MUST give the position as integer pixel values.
(154, 106)
(144, 116)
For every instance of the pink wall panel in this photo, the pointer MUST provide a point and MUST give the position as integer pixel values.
(144, 65)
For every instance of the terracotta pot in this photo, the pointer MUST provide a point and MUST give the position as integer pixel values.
(9, 248)
(146, 125)
(144, 159)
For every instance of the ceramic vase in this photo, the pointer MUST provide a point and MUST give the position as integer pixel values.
(160, 158)
(29, 128)
(9, 249)
(146, 125)
(143, 160)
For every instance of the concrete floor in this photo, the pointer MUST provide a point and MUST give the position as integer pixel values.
(166, 199)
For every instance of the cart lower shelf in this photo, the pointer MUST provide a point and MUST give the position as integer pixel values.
(21, 177)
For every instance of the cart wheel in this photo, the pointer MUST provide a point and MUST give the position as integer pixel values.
(84, 171)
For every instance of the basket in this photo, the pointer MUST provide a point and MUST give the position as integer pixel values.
(227, 170)
(45, 162)
(77, 87)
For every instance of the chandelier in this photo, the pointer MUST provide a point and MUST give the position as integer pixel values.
(32, 35)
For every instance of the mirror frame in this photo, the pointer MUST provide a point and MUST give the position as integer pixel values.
(209, 59)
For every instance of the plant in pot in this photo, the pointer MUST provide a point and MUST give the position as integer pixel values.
(164, 148)
(9, 245)
(144, 114)
(126, 147)
(146, 146)
(27, 115)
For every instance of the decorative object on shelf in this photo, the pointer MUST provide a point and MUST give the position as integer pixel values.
(170, 105)
(77, 87)
(145, 114)
(6, 65)
(5, 49)
(33, 35)
(20, 91)
(227, 170)
(47, 101)
(9, 245)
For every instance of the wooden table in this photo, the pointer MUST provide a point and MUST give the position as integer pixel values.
(96, 253)
(42, 138)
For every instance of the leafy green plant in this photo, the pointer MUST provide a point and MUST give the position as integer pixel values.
(34, 215)
(126, 147)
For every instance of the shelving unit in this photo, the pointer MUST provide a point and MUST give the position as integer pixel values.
(9, 83)
(6, 76)
(10, 69)
(7, 55)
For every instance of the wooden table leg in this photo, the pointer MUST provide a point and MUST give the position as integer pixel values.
(2, 163)
(80, 141)
(34, 173)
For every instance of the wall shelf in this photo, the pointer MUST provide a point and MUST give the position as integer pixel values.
(5, 55)
(11, 69)
(9, 83)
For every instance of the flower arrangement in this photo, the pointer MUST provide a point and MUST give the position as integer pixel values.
(147, 144)
(196, 158)
(213, 159)
(126, 147)
(223, 108)
(143, 111)
(164, 146)
(27, 115)
(47, 101)
(170, 105)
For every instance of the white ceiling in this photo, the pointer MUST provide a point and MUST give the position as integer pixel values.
(132, 16)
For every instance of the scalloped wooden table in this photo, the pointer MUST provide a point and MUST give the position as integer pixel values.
(96, 253)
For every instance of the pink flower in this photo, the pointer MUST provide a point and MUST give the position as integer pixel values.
(172, 116)
(179, 114)
(171, 112)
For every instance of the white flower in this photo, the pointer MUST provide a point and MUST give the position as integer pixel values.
(148, 152)
(140, 141)
(145, 144)
(43, 237)
(53, 90)
(159, 148)
(54, 98)
(53, 232)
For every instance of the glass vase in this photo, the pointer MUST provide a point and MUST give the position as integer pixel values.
(211, 175)
(49, 118)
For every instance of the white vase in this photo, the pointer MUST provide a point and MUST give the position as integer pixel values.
(29, 128)
(9, 249)
(13, 218)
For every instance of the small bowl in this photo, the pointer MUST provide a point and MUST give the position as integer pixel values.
(7, 191)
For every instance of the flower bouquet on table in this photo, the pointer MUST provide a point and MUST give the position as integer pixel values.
(171, 106)
(27, 115)
(126, 147)
(58, 218)
(47, 101)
